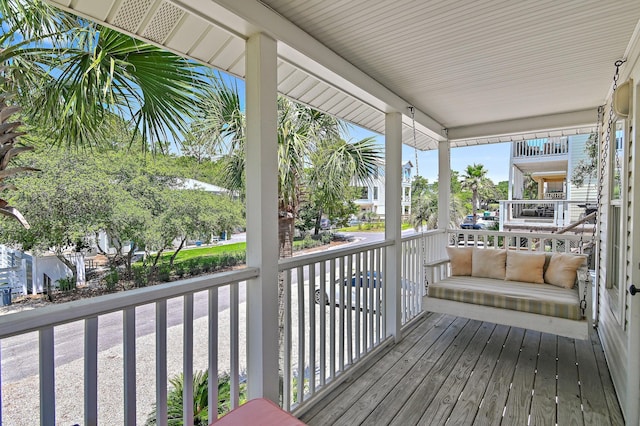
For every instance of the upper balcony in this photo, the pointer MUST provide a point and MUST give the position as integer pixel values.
(541, 148)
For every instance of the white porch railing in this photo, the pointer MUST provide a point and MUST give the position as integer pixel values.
(321, 340)
(539, 148)
(90, 313)
(558, 213)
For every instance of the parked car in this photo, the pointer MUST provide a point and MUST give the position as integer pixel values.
(354, 222)
(325, 223)
(358, 284)
(468, 223)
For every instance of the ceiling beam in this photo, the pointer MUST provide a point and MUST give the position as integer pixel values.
(582, 118)
(301, 50)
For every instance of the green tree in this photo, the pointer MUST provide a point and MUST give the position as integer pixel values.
(530, 188)
(65, 201)
(502, 190)
(586, 168)
(424, 203)
(475, 180)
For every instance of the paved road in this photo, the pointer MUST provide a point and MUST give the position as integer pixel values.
(20, 353)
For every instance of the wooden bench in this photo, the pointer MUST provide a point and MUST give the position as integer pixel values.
(258, 412)
(438, 275)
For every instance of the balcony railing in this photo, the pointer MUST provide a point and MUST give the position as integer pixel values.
(550, 212)
(540, 147)
(558, 195)
(334, 316)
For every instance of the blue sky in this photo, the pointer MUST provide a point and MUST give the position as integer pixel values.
(494, 157)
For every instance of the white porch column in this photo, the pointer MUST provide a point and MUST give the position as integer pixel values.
(444, 183)
(511, 182)
(262, 217)
(393, 219)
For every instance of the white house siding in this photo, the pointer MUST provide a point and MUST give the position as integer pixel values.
(619, 346)
(589, 190)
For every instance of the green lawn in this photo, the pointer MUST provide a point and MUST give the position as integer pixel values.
(206, 251)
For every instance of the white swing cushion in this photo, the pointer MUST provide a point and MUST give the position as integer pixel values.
(542, 299)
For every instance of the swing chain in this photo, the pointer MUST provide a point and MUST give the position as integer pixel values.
(607, 141)
(602, 156)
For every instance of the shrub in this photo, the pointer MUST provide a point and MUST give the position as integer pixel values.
(111, 279)
(66, 284)
(200, 399)
(180, 270)
(164, 273)
(140, 277)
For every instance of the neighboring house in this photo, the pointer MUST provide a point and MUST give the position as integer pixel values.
(27, 273)
(204, 186)
(372, 195)
(541, 192)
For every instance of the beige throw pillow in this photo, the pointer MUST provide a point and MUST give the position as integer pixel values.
(489, 263)
(460, 260)
(562, 269)
(527, 267)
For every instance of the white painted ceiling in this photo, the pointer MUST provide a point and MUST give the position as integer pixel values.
(486, 70)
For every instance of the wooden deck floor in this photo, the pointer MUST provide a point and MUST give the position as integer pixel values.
(461, 372)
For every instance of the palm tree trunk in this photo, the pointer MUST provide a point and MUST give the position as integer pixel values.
(285, 231)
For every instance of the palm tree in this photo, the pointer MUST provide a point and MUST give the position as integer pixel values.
(8, 150)
(303, 135)
(424, 210)
(475, 180)
(70, 75)
(335, 165)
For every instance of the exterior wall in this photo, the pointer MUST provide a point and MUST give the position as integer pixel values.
(376, 204)
(589, 190)
(55, 269)
(619, 313)
(24, 273)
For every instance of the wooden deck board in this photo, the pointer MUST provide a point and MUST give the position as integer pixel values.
(442, 404)
(469, 401)
(349, 392)
(463, 372)
(415, 373)
(568, 391)
(594, 401)
(443, 359)
(495, 397)
(543, 404)
(519, 400)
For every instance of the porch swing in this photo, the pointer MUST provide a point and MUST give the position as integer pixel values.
(546, 292)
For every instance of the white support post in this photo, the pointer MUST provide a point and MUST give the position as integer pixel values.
(393, 218)
(262, 217)
(511, 182)
(444, 183)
